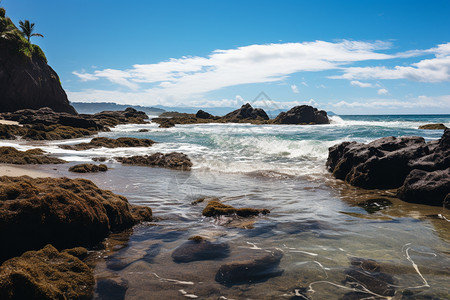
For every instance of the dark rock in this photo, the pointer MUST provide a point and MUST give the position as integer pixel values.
(9, 132)
(383, 163)
(203, 115)
(246, 112)
(100, 159)
(61, 211)
(26, 80)
(303, 114)
(56, 132)
(77, 121)
(216, 208)
(114, 118)
(111, 289)
(369, 274)
(426, 187)
(10, 155)
(198, 248)
(433, 126)
(374, 205)
(255, 266)
(143, 130)
(110, 143)
(78, 252)
(175, 114)
(173, 160)
(88, 168)
(46, 274)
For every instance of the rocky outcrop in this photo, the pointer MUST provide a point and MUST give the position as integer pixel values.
(26, 80)
(303, 114)
(255, 266)
(59, 211)
(110, 143)
(173, 160)
(10, 155)
(433, 126)
(114, 118)
(203, 115)
(420, 170)
(246, 112)
(46, 274)
(216, 208)
(197, 248)
(88, 168)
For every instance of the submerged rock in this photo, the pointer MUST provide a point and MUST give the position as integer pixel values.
(110, 143)
(197, 248)
(61, 211)
(88, 168)
(173, 160)
(111, 289)
(254, 266)
(46, 274)
(216, 208)
(303, 114)
(374, 205)
(368, 274)
(433, 126)
(10, 155)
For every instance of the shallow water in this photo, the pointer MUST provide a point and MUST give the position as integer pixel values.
(315, 220)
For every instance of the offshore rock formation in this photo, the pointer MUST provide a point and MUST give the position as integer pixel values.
(26, 80)
(303, 114)
(110, 143)
(420, 170)
(246, 112)
(60, 211)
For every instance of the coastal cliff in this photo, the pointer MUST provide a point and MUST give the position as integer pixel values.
(26, 80)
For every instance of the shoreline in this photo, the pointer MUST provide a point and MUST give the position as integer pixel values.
(18, 170)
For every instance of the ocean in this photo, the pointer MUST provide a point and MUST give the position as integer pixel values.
(319, 223)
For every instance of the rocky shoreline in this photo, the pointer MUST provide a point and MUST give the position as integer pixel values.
(419, 170)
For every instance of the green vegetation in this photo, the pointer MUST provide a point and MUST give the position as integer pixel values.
(19, 41)
(27, 29)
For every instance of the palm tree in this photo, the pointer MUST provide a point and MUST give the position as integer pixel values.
(27, 29)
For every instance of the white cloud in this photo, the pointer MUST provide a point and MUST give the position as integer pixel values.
(436, 69)
(361, 84)
(304, 83)
(191, 77)
(294, 89)
(382, 92)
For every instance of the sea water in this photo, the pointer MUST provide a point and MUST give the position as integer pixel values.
(315, 220)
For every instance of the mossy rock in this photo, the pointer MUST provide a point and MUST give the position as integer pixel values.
(216, 208)
(46, 274)
(433, 126)
(88, 168)
(111, 143)
(10, 155)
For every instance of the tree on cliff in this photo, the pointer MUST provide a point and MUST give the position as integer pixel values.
(27, 29)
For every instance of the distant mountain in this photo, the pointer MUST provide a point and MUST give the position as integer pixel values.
(92, 108)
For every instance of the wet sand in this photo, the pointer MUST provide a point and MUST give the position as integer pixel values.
(14, 170)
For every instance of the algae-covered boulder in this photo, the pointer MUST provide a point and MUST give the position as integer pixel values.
(434, 126)
(216, 208)
(173, 160)
(61, 211)
(88, 168)
(46, 274)
(10, 155)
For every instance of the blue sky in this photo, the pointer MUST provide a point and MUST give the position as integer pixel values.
(360, 57)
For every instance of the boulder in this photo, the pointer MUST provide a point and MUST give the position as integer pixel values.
(61, 211)
(197, 248)
(88, 168)
(420, 170)
(253, 266)
(303, 114)
(46, 274)
(246, 112)
(433, 126)
(203, 115)
(381, 164)
(26, 80)
(216, 208)
(173, 160)
(9, 132)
